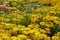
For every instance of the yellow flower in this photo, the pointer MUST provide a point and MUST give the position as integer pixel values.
(58, 34)
(25, 30)
(47, 24)
(33, 26)
(22, 36)
(32, 31)
(1, 39)
(42, 31)
(47, 30)
(48, 38)
(28, 39)
(51, 17)
(43, 36)
(15, 0)
(57, 22)
(36, 36)
(7, 20)
(14, 38)
(32, 0)
(6, 37)
(20, 26)
(42, 23)
(15, 29)
(55, 38)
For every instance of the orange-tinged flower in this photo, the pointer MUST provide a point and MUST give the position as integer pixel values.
(3, 6)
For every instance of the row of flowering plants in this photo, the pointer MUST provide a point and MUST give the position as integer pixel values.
(30, 20)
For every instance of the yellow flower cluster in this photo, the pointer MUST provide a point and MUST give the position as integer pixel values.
(30, 20)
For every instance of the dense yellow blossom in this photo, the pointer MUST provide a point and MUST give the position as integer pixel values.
(55, 38)
(30, 20)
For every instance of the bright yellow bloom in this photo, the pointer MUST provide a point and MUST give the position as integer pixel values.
(55, 38)
(22, 37)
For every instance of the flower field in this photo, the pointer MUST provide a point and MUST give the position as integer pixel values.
(30, 20)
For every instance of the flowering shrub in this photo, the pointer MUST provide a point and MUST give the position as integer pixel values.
(30, 20)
